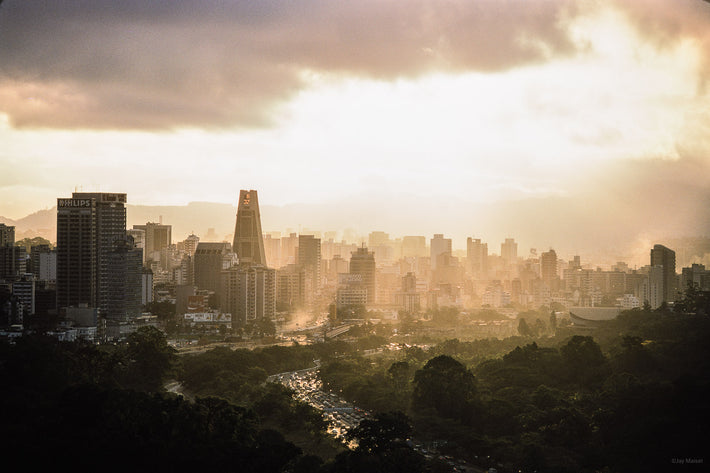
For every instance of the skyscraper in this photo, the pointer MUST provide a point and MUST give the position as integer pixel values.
(248, 241)
(110, 224)
(665, 258)
(362, 262)
(124, 296)
(76, 252)
(249, 287)
(309, 258)
(91, 226)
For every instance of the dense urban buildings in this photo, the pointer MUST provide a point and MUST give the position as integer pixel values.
(99, 271)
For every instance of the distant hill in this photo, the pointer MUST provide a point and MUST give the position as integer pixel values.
(195, 217)
(41, 223)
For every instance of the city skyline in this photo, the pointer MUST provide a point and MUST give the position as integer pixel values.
(570, 116)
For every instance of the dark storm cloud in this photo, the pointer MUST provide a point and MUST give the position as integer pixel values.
(164, 64)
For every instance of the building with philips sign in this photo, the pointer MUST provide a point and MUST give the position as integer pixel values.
(94, 255)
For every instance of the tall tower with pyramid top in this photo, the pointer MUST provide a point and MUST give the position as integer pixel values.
(248, 241)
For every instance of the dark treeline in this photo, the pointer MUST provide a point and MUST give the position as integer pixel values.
(630, 396)
(74, 405)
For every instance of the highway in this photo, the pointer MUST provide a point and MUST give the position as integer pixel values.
(342, 415)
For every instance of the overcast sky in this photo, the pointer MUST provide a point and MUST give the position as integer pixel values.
(313, 101)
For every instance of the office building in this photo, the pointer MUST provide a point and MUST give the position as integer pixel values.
(77, 265)
(362, 263)
(125, 282)
(248, 241)
(97, 264)
(109, 227)
(209, 262)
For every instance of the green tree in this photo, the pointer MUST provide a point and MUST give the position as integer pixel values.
(445, 385)
(399, 372)
(383, 433)
(149, 359)
(584, 360)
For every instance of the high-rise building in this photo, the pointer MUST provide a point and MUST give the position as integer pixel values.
(362, 263)
(309, 258)
(248, 241)
(77, 264)
(125, 281)
(439, 246)
(110, 225)
(91, 229)
(291, 286)
(248, 293)
(7, 235)
(548, 266)
(477, 256)
(665, 258)
(650, 290)
(249, 287)
(509, 250)
(157, 237)
(209, 262)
